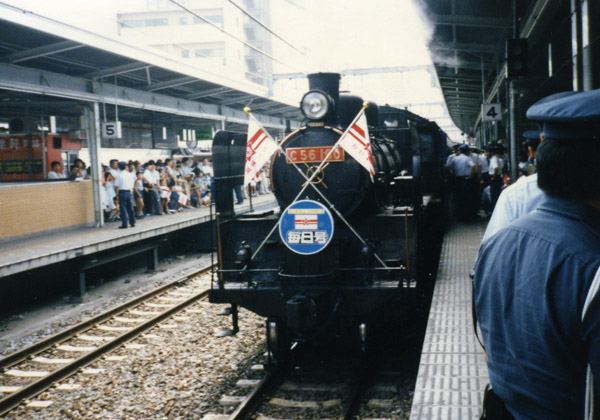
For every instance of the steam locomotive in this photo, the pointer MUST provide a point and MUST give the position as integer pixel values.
(349, 247)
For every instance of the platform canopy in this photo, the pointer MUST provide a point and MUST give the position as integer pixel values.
(69, 65)
(467, 48)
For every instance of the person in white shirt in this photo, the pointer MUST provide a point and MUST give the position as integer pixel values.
(495, 172)
(124, 183)
(186, 166)
(151, 178)
(517, 200)
(113, 167)
(206, 168)
(55, 173)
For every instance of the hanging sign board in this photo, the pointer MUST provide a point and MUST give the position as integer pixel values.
(491, 112)
(306, 227)
(111, 130)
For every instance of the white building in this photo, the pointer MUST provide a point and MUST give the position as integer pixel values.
(187, 35)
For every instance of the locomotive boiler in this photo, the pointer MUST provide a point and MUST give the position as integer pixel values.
(346, 249)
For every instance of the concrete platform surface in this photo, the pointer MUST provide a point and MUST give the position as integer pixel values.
(22, 254)
(452, 372)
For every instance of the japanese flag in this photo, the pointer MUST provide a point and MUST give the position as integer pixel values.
(259, 148)
(355, 141)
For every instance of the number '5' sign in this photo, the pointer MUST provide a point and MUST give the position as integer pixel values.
(491, 112)
(111, 130)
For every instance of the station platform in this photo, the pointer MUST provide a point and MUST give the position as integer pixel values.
(452, 372)
(22, 254)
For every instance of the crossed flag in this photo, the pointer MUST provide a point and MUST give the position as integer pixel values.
(261, 146)
(355, 140)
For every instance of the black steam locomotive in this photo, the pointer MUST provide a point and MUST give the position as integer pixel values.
(345, 253)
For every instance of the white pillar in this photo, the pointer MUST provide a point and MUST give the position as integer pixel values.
(92, 121)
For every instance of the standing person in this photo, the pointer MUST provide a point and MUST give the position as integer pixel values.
(124, 185)
(56, 172)
(515, 201)
(113, 167)
(151, 178)
(111, 209)
(138, 191)
(169, 171)
(495, 173)
(536, 280)
(165, 194)
(463, 168)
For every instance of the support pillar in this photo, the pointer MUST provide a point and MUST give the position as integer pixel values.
(576, 51)
(590, 48)
(513, 145)
(92, 122)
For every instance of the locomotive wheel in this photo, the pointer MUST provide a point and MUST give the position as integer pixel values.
(278, 340)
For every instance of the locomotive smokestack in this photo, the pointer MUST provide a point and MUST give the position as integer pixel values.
(330, 84)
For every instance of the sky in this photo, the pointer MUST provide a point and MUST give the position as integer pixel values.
(334, 35)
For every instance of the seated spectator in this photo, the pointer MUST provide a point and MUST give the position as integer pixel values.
(83, 172)
(74, 173)
(56, 172)
(186, 166)
(182, 199)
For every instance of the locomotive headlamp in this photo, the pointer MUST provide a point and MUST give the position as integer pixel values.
(316, 104)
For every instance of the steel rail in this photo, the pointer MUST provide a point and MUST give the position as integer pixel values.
(14, 399)
(20, 355)
(247, 406)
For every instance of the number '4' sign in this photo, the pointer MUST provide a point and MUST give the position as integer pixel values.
(491, 112)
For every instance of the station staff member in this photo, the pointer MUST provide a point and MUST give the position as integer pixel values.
(463, 168)
(535, 280)
(124, 184)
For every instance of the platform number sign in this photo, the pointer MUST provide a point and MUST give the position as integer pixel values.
(491, 112)
(111, 130)
(306, 227)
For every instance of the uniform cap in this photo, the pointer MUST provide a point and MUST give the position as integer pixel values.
(122, 165)
(569, 115)
(531, 134)
(463, 148)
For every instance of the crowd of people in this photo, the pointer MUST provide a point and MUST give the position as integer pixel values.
(477, 177)
(158, 187)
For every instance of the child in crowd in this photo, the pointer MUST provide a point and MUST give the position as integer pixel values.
(111, 209)
(165, 193)
(183, 199)
(138, 192)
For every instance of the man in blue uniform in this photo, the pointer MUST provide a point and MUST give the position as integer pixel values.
(463, 168)
(536, 279)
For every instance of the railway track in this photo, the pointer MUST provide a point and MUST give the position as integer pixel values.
(325, 383)
(33, 369)
(293, 390)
